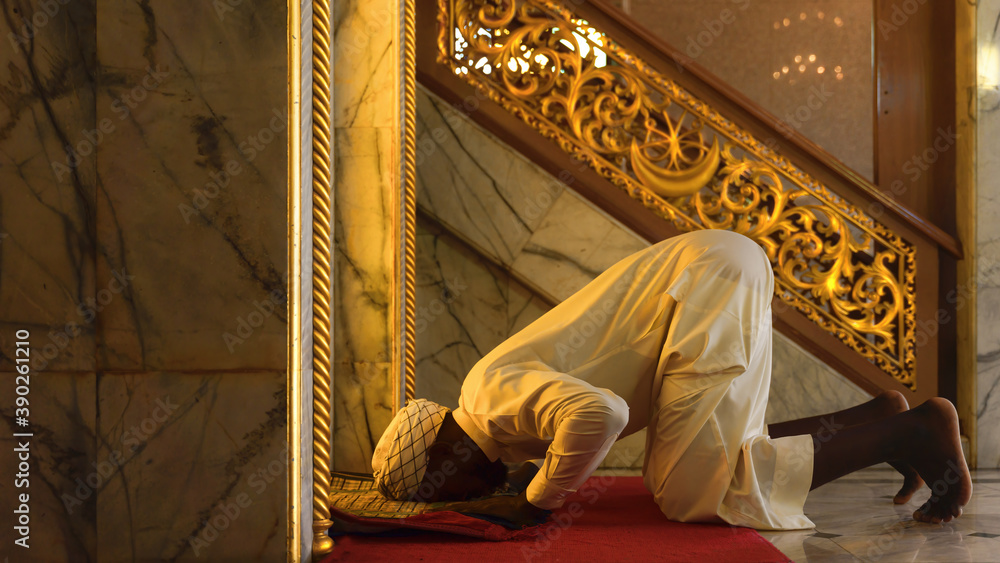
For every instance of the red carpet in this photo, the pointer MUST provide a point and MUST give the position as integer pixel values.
(609, 519)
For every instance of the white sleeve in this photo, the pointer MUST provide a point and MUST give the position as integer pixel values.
(584, 422)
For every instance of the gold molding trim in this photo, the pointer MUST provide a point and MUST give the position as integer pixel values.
(605, 106)
(322, 185)
(409, 198)
(293, 371)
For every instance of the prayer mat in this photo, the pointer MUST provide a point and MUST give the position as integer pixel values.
(609, 519)
(356, 506)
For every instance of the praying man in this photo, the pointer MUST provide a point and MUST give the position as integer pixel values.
(676, 339)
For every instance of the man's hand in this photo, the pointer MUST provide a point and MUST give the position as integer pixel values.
(522, 476)
(516, 510)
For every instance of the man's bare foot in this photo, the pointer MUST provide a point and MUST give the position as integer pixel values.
(890, 403)
(935, 451)
(911, 482)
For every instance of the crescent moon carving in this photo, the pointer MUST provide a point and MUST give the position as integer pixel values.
(671, 183)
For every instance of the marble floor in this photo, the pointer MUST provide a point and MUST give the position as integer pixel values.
(857, 521)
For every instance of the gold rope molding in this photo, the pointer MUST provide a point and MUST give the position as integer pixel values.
(322, 288)
(410, 196)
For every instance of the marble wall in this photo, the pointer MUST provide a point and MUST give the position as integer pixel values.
(366, 183)
(143, 243)
(501, 241)
(988, 235)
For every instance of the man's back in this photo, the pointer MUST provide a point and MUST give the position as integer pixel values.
(610, 335)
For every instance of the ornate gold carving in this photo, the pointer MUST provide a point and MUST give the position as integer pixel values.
(322, 270)
(690, 165)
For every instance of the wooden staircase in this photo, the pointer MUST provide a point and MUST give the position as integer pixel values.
(889, 336)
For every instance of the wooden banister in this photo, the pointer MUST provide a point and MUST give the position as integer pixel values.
(928, 241)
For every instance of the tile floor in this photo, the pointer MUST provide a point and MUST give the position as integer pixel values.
(857, 521)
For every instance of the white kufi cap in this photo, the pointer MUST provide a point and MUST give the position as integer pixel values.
(400, 458)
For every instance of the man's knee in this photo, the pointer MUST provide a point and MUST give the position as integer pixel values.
(609, 411)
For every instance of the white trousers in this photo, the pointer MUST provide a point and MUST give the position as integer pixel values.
(676, 338)
(708, 456)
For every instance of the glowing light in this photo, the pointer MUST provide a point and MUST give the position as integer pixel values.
(798, 58)
(820, 15)
(802, 68)
(786, 21)
(837, 69)
(584, 47)
(784, 69)
(838, 21)
(820, 70)
(989, 65)
(840, 76)
(776, 75)
(812, 58)
(802, 16)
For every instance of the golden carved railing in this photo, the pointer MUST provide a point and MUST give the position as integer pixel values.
(834, 263)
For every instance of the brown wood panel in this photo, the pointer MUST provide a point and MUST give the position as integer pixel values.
(917, 142)
(915, 124)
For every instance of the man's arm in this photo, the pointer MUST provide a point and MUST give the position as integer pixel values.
(584, 422)
(516, 510)
(587, 426)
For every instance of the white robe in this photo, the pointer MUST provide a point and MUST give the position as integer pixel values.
(676, 338)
